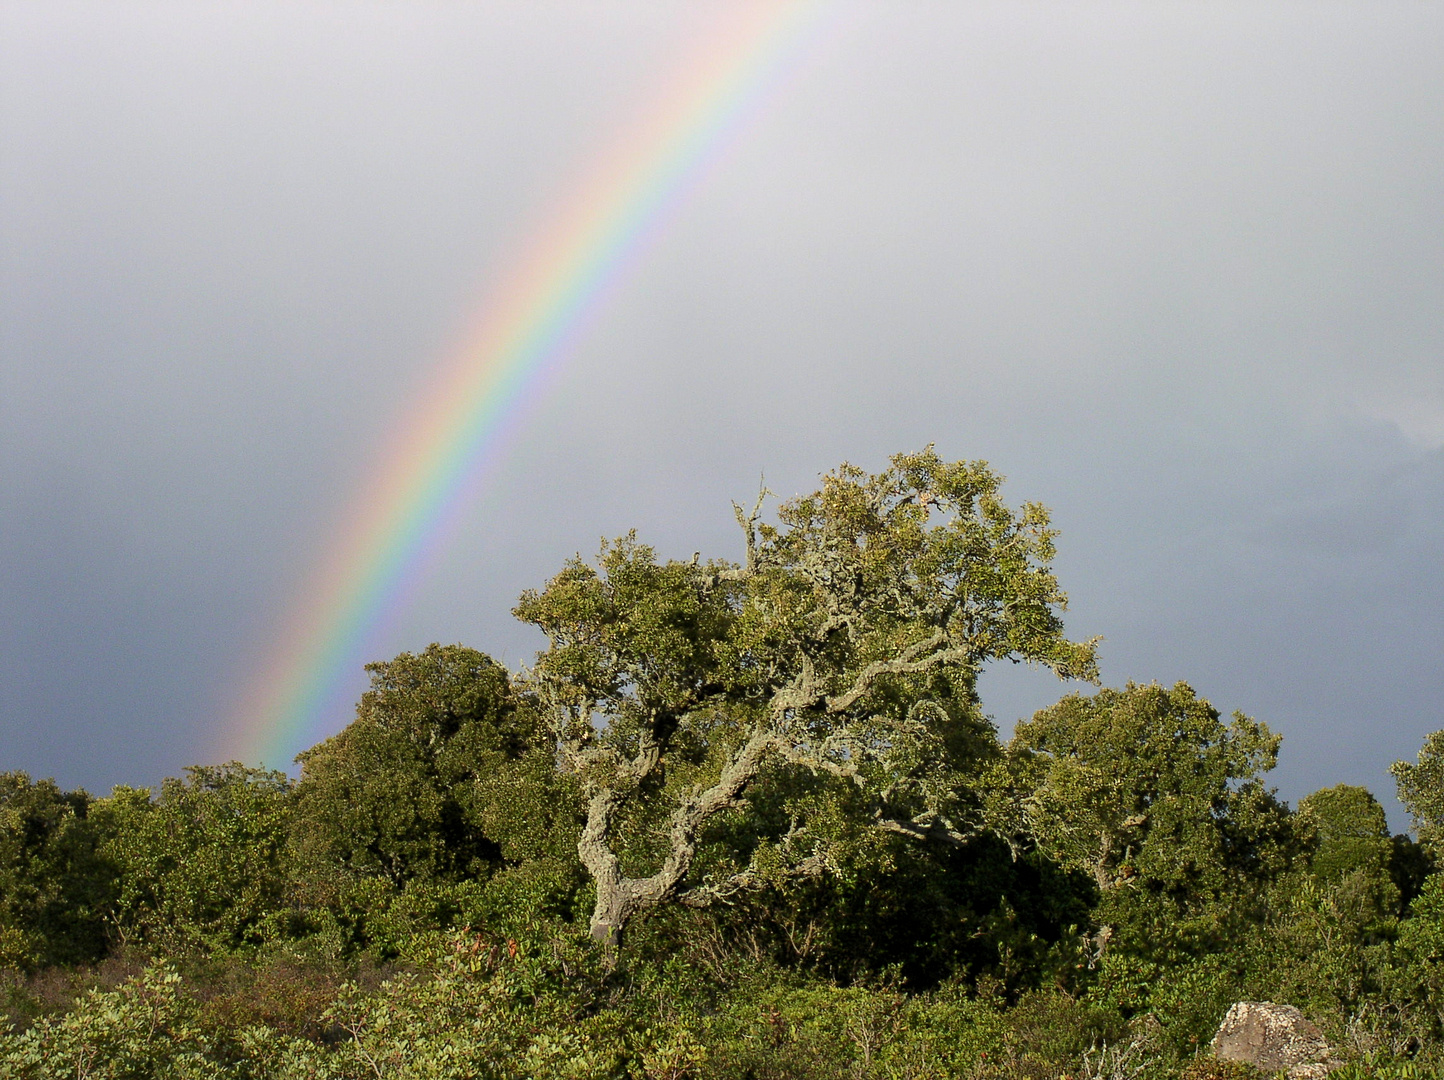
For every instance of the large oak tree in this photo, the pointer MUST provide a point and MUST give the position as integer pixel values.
(845, 647)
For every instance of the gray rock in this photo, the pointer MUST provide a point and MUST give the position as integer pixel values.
(1273, 1038)
(1314, 1070)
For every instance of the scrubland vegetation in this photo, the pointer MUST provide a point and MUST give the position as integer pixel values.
(739, 820)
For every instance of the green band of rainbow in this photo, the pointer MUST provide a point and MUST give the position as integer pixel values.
(458, 424)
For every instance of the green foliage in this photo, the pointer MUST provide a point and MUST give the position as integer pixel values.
(783, 1031)
(1418, 970)
(486, 1008)
(1410, 865)
(55, 886)
(1324, 943)
(1322, 948)
(792, 704)
(203, 864)
(1395, 1070)
(438, 804)
(1352, 844)
(1187, 999)
(490, 1009)
(1152, 796)
(424, 784)
(146, 1029)
(1421, 790)
(927, 913)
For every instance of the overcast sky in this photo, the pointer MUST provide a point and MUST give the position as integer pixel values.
(1176, 270)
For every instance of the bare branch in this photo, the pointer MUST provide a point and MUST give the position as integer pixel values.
(910, 661)
(936, 829)
(748, 520)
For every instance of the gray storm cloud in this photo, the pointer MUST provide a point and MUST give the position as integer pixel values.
(1176, 271)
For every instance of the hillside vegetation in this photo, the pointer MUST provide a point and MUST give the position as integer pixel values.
(740, 819)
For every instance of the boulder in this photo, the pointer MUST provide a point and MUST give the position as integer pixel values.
(1314, 1070)
(1273, 1038)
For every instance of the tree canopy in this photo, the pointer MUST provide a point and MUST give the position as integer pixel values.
(1157, 800)
(55, 885)
(1421, 790)
(402, 792)
(845, 645)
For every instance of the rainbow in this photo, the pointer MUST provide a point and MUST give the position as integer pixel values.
(430, 470)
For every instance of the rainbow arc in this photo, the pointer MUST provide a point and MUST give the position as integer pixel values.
(591, 245)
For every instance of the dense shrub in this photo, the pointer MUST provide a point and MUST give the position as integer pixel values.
(55, 885)
(414, 907)
(202, 864)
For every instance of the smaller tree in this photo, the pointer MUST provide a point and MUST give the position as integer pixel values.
(202, 864)
(1352, 846)
(1418, 970)
(1321, 945)
(55, 886)
(1158, 801)
(1421, 789)
(443, 779)
(395, 794)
